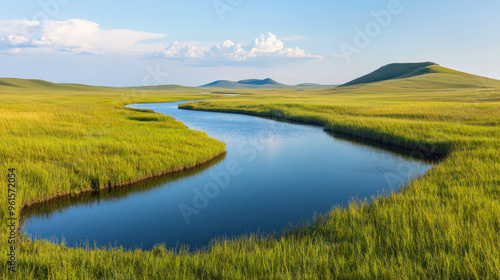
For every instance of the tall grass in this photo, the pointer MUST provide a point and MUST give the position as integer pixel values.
(66, 142)
(445, 225)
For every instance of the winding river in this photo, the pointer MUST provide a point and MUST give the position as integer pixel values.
(275, 174)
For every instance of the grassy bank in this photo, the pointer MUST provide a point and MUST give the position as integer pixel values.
(445, 225)
(65, 140)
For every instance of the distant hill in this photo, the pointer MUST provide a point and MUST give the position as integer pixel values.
(41, 84)
(246, 84)
(44, 85)
(261, 84)
(268, 83)
(393, 71)
(224, 84)
(402, 75)
(264, 82)
(421, 75)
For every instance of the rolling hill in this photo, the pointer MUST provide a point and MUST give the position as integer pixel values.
(395, 75)
(222, 84)
(392, 71)
(246, 84)
(44, 85)
(262, 84)
(420, 75)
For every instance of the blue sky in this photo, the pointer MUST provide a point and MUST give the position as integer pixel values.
(193, 42)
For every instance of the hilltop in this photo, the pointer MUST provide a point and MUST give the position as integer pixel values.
(246, 84)
(425, 74)
(392, 71)
(262, 84)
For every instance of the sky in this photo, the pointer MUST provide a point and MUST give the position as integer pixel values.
(195, 42)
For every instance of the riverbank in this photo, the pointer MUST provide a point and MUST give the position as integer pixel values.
(27, 205)
(79, 143)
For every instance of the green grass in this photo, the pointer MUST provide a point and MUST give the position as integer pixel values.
(62, 142)
(446, 225)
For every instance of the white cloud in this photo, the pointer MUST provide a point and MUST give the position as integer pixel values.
(266, 43)
(76, 35)
(83, 36)
(16, 40)
(265, 49)
(184, 50)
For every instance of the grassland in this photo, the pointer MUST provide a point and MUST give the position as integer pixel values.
(65, 141)
(445, 225)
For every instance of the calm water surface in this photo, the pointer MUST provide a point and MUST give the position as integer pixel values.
(274, 174)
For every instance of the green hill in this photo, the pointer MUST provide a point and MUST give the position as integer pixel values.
(224, 84)
(244, 84)
(257, 82)
(247, 84)
(392, 71)
(263, 84)
(425, 75)
(44, 85)
(426, 71)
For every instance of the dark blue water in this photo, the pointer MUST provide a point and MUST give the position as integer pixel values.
(274, 174)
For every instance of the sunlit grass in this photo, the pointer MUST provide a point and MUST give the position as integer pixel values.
(445, 225)
(63, 142)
